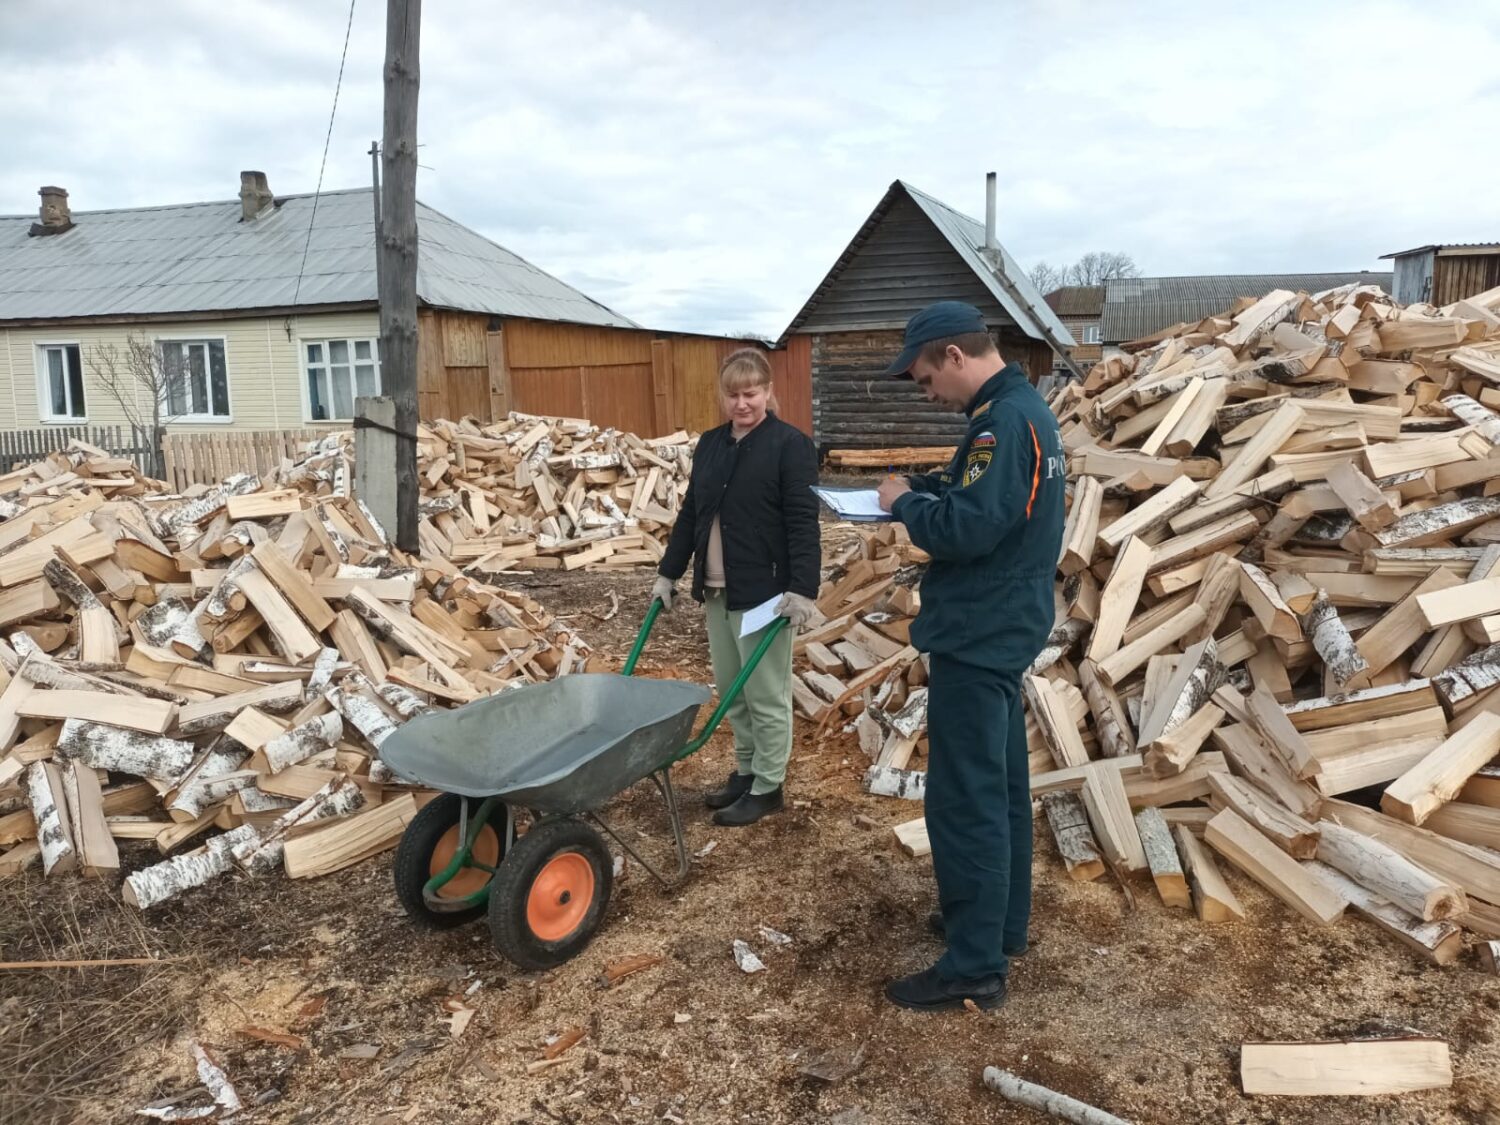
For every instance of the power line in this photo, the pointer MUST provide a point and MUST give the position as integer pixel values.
(306, 246)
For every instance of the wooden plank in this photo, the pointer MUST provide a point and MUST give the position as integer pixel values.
(1358, 1068)
(1118, 599)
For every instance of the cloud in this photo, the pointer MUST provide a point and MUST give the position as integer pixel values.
(700, 167)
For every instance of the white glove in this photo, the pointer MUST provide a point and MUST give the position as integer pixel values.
(800, 611)
(663, 589)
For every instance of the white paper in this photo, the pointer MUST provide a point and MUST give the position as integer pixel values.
(758, 617)
(853, 503)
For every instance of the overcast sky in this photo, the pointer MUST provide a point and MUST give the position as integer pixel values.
(699, 166)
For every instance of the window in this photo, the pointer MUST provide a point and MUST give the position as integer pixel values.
(1090, 333)
(61, 391)
(197, 379)
(338, 372)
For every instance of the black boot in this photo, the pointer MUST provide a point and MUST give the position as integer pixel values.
(928, 992)
(936, 925)
(749, 808)
(735, 788)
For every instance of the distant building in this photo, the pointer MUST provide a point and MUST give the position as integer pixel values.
(1079, 308)
(1442, 274)
(1141, 306)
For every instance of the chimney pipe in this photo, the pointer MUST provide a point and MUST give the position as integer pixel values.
(989, 212)
(55, 216)
(255, 195)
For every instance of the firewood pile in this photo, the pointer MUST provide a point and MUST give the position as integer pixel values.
(1278, 607)
(232, 660)
(536, 493)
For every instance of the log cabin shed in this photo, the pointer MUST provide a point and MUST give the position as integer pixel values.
(911, 251)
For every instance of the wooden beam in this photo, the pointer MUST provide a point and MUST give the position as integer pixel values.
(1235, 839)
(1418, 793)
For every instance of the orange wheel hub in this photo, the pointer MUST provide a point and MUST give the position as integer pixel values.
(468, 879)
(560, 896)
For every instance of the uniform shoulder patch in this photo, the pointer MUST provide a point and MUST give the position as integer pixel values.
(977, 462)
(982, 440)
(982, 409)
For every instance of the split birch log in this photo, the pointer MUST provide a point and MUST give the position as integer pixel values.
(1437, 778)
(213, 779)
(1489, 955)
(362, 713)
(263, 853)
(1213, 901)
(1284, 828)
(1196, 678)
(1058, 729)
(1043, 1100)
(1476, 673)
(1389, 874)
(106, 747)
(1074, 838)
(1161, 856)
(170, 624)
(1111, 724)
(54, 834)
(303, 741)
(886, 781)
(1440, 942)
(156, 884)
(1170, 754)
(1333, 643)
(226, 1099)
(1354, 1068)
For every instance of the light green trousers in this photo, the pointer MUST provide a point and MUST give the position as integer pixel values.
(762, 715)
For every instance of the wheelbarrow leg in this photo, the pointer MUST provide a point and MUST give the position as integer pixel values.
(663, 779)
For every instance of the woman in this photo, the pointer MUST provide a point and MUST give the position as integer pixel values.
(749, 522)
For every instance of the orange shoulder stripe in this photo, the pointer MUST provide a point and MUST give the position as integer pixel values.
(1036, 472)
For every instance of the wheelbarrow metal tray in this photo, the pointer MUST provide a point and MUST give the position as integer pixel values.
(563, 747)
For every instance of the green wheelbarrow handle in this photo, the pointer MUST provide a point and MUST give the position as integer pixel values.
(771, 632)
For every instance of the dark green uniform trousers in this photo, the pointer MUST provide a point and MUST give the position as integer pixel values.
(978, 812)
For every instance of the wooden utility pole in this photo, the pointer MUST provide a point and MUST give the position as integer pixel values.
(396, 259)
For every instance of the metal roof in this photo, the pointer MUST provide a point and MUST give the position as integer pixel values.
(966, 236)
(1076, 300)
(1138, 306)
(1450, 249)
(199, 257)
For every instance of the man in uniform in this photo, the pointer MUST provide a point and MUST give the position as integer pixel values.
(993, 524)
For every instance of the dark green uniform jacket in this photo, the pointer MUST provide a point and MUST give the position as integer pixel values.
(993, 524)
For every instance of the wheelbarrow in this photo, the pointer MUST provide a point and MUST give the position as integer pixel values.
(559, 751)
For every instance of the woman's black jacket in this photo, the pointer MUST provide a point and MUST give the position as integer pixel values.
(760, 488)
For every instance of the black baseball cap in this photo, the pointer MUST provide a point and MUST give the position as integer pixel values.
(936, 322)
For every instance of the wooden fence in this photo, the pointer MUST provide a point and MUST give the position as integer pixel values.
(22, 447)
(207, 458)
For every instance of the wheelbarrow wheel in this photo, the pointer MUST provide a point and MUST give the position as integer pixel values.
(550, 894)
(428, 845)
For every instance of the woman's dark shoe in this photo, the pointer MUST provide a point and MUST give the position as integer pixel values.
(749, 808)
(736, 787)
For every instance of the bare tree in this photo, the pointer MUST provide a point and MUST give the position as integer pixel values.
(1094, 268)
(1046, 278)
(148, 391)
(1099, 266)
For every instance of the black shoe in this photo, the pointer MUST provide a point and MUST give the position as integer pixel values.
(928, 992)
(936, 925)
(749, 808)
(735, 788)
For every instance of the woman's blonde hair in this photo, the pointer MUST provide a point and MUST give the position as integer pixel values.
(747, 367)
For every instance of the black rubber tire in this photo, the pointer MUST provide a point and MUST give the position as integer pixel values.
(511, 890)
(413, 865)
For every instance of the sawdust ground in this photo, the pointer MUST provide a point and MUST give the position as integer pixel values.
(1139, 1011)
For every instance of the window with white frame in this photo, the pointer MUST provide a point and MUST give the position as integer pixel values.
(60, 396)
(197, 380)
(1090, 333)
(338, 372)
